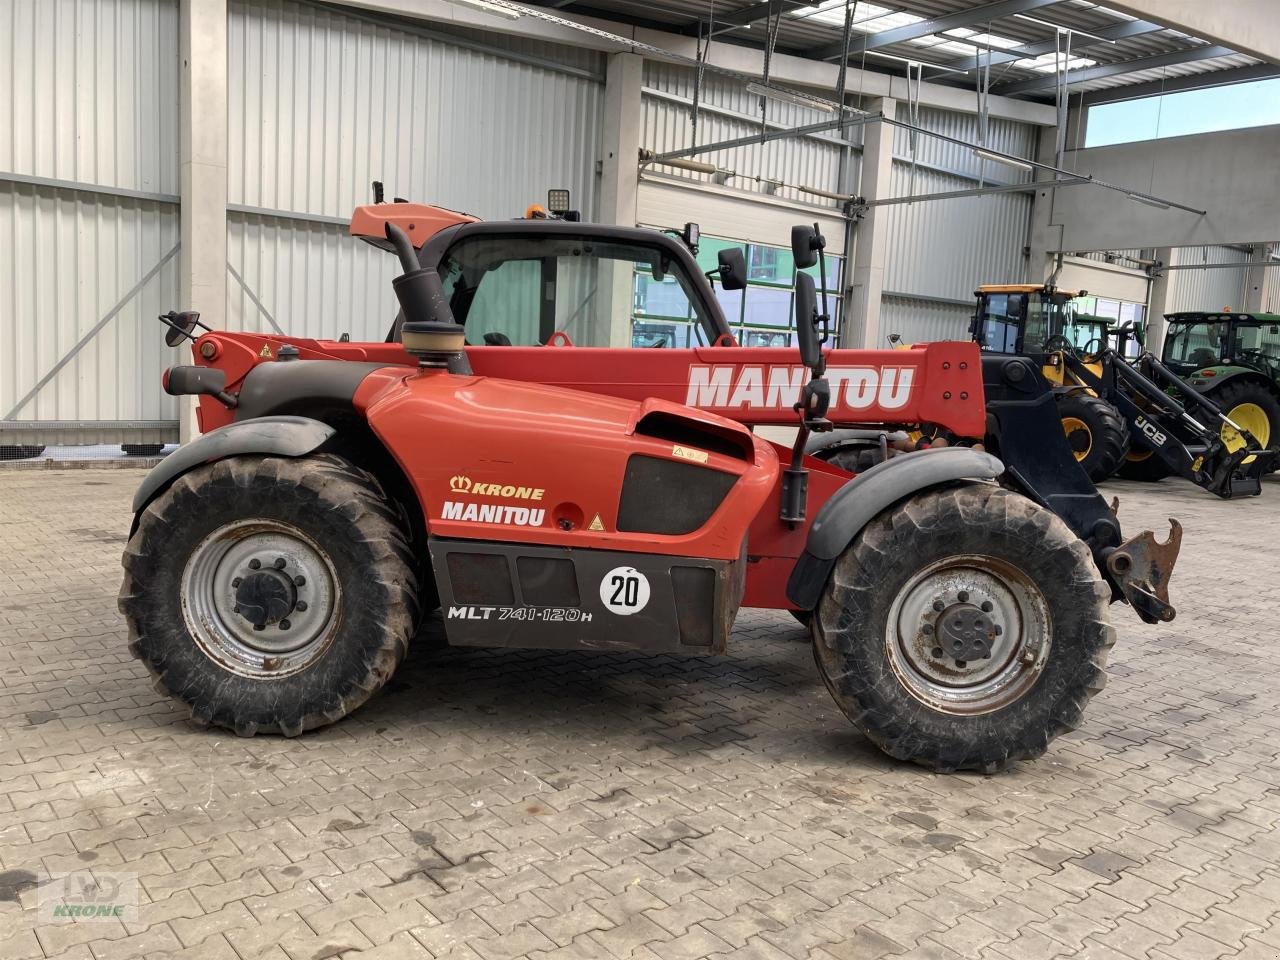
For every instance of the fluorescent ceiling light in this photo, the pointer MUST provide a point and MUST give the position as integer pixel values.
(485, 7)
(775, 93)
(1149, 201)
(1001, 158)
(1061, 29)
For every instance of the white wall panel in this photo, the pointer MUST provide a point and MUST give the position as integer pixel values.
(314, 279)
(924, 321)
(322, 103)
(945, 248)
(73, 257)
(1003, 136)
(1207, 289)
(90, 91)
(730, 112)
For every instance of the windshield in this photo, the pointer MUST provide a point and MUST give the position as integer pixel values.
(1256, 345)
(522, 290)
(1194, 344)
(1022, 322)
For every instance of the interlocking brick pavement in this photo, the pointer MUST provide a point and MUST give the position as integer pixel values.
(492, 805)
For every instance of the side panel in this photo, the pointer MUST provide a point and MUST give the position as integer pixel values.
(524, 463)
(522, 595)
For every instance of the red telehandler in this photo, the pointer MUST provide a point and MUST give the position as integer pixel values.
(558, 496)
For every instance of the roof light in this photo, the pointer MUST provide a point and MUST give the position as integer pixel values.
(1001, 158)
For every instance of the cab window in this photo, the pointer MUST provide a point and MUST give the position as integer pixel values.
(1002, 321)
(522, 290)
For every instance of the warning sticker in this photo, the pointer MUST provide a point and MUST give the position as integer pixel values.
(595, 524)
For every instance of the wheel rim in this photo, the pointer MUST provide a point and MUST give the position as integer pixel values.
(1251, 417)
(968, 635)
(1078, 437)
(264, 574)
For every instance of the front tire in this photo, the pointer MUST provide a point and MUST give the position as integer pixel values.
(270, 594)
(1096, 433)
(1009, 661)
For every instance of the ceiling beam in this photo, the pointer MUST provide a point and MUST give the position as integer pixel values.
(925, 28)
(1103, 70)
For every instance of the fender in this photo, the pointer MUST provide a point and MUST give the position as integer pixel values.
(868, 494)
(280, 436)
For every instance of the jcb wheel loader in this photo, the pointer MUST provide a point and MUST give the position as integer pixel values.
(549, 496)
(1155, 422)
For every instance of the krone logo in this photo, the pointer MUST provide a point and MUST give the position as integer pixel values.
(460, 484)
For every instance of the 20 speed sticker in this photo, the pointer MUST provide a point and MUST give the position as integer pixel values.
(624, 591)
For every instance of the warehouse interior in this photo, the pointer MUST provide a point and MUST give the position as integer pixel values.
(639, 479)
(162, 155)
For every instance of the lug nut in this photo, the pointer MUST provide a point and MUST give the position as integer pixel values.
(997, 629)
(963, 596)
(299, 581)
(236, 608)
(285, 624)
(255, 563)
(280, 562)
(937, 651)
(986, 606)
(939, 605)
(962, 664)
(300, 606)
(259, 626)
(236, 582)
(926, 628)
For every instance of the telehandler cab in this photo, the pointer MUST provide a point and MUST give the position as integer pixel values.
(548, 496)
(1119, 416)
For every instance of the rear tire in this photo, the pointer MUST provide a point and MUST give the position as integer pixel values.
(1143, 465)
(1045, 638)
(1250, 402)
(260, 534)
(1096, 433)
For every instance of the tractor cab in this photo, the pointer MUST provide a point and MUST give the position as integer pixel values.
(1030, 319)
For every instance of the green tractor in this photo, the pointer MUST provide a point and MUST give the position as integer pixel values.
(1234, 360)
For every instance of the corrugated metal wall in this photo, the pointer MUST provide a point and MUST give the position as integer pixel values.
(322, 103)
(727, 110)
(1207, 289)
(943, 249)
(923, 321)
(91, 98)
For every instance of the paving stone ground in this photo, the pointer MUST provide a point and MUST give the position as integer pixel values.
(499, 805)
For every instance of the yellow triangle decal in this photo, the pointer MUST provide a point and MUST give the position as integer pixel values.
(595, 524)
(266, 351)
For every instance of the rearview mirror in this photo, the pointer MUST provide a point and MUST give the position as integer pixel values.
(805, 244)
(733, 268)
(806, 326)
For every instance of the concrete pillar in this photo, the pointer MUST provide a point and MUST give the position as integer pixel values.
(620, 182)
(871, 233)
(202, 121)
(1255, 283)
(1157, 302)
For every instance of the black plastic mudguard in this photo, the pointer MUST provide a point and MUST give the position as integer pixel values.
(279, 436)
(525, 595)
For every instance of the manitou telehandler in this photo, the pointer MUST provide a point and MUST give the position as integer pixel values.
(277, 563)
(1118, 416)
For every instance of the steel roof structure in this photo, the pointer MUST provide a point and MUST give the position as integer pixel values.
(1024, 41)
